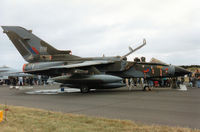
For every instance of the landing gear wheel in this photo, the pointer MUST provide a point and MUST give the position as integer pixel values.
(85, 90)
(146, 88)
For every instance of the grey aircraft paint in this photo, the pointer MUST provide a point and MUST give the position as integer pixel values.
(46, 60)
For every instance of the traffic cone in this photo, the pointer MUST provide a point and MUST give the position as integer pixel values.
(1, 116)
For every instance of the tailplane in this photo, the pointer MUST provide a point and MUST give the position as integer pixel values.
(31, 47)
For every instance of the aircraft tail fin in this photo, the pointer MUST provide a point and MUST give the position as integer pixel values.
(31, 47)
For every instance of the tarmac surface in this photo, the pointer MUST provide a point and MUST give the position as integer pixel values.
(161, 106)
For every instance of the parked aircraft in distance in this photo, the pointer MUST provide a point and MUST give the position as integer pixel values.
(6, 71)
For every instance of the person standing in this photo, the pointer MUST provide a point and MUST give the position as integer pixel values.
(198, 82)
(20, 81)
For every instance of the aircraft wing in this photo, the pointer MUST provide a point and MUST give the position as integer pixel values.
(61, 68)
(84, 64)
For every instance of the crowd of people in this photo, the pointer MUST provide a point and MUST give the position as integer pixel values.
(144, 83)
(175, 82)
(24, 81)
(194, 81)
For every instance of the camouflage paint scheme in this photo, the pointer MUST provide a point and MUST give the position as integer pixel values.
(84, 73)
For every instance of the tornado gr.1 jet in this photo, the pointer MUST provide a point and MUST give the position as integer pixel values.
(78, 72)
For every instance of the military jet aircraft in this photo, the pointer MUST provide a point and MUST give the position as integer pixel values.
(6, 71)
(78, 72)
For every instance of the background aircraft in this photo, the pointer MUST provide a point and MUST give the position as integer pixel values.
(84, 73)
(6, 72)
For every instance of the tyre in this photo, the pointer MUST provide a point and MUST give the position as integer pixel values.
(85, 90)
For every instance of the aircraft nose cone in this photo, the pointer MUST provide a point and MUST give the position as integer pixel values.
(179, 71)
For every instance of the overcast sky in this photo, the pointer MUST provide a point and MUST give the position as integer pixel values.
(96, 27)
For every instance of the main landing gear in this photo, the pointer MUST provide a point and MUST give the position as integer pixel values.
(85, 89)
(147, 88)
